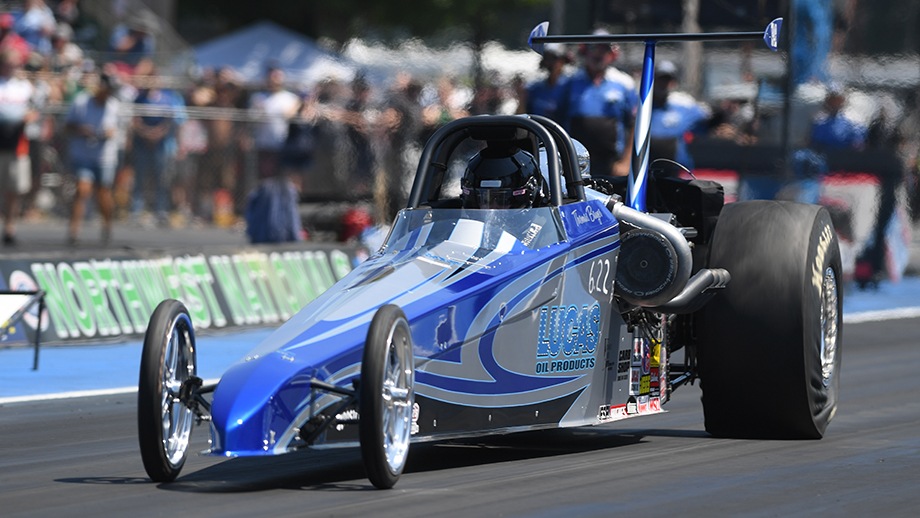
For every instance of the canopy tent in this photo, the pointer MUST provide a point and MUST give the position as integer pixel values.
(251, 49)
(424, 62)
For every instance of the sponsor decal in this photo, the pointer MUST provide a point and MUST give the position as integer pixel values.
(113, 297)
(817, 270)
(531, 233)
(640, 366)
(646, 361)
(567, 338)
(771, 34)
(633, 381)
(557, 366)
(415, 412)
(611, 412)
(639, 344)
(604, 413)
(623, 364)
(642, 404)
(348, 416)
(654, 404)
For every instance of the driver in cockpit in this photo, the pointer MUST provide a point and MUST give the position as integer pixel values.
(503, 176)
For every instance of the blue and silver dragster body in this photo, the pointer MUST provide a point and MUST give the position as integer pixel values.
(574, 309)
(513, 320)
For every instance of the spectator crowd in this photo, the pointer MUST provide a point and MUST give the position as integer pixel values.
(154, 150)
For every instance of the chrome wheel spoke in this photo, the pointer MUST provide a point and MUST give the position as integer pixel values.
(396, 394)
(177, 417)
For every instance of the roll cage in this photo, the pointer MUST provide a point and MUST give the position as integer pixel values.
(528, 131)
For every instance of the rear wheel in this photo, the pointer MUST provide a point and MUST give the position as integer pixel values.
(770, 343)
(164, 419)
(386, 397)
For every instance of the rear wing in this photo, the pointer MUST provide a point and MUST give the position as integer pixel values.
(639, 164)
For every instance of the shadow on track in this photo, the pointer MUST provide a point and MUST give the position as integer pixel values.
(115, 481)
(342, 469)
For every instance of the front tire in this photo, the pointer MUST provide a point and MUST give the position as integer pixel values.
(386, 397)
(769, 345)
(164, 420)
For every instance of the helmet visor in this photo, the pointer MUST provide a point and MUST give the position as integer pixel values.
(495, 198)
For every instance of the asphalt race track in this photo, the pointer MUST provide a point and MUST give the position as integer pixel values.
(79, 457)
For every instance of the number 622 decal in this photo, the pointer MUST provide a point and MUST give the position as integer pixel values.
(600, 280)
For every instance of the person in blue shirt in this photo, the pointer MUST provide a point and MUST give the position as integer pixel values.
(675, 116)
(831, 129)
(155, 128)
(541, 97)
(36, 25)
(92, 124)
(597, 106)
(134, 40)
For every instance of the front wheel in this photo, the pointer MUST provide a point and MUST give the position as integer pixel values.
(164, 418)
(769, 345)
(386, 397)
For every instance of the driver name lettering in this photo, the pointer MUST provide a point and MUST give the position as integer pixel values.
(590, 215)
(567, 337)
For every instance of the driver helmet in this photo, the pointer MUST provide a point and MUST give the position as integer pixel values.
(502, 177)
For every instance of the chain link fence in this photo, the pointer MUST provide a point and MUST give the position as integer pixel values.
(216, 165)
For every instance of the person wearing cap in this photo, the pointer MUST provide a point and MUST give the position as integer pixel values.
(135, 39)
(675, 116)
(832, 129)
(17, 109)
(598, 106)
(92, 125)
(541, 97)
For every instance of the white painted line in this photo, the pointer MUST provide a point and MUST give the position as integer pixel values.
(880, 315)
(848, 318)
(67, 395)
(76, 394)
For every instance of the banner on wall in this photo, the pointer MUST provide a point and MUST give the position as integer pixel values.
(106, 299)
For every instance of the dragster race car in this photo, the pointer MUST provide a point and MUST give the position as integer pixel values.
(528, 295)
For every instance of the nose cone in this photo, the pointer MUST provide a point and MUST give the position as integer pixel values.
(260, 403)
(256, 405)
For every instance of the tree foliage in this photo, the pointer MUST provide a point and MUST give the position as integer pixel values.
(340, 20)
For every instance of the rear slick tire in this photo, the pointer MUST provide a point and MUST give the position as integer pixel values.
(770, 344)
(386, 397)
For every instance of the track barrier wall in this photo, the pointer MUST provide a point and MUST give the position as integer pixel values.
(111, 299)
